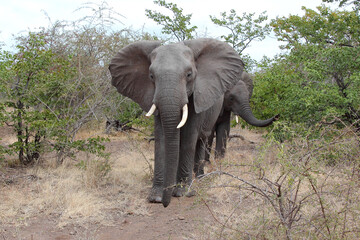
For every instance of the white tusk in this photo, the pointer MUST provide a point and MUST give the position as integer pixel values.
(237, 119)
(184, 116)
(151, 111)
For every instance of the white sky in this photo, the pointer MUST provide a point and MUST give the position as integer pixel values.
(18, 16)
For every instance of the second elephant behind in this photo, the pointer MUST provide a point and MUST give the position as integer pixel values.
(236, 100)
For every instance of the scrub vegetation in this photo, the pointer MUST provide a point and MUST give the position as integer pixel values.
(74, 149)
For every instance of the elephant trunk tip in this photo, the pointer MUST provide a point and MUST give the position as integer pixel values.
(276, 117)
(167, 193)
(165, 204)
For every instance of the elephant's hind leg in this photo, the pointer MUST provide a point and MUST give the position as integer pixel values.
(200, 157)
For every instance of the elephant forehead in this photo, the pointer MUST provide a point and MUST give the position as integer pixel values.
(239, 87)
(173, 53)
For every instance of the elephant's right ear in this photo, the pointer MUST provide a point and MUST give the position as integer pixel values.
(130, 72)
(246, 78)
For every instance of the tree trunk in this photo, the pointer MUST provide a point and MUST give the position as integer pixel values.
(20, 106)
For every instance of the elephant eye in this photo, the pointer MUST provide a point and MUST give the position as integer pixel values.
(151, 76)
(189, 74)
(231, 98)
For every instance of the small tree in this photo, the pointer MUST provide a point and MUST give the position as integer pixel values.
(243, 30)
(178, 26)
(34, 80)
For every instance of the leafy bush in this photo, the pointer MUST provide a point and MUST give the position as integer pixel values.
(40, 104)
(319, 78)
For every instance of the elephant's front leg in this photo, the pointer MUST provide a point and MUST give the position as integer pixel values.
(156, 192)
(186, 161)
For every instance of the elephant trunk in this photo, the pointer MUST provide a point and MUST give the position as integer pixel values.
(246, 114)
(170, 121)
(171, 107)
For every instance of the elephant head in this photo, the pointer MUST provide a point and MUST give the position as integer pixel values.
(237, 101)
(162, 78)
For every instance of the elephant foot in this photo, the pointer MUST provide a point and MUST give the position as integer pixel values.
(199, 173)
(155, 195)
(182, 190)
(179, 191)
(190, 193)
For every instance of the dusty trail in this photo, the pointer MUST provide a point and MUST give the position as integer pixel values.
(181, 220)
(185, 218)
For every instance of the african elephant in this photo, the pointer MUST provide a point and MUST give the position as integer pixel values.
(236, 100)
(183, 82)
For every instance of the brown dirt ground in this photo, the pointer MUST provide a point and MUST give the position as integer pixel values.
(185, 218)
(178, 221)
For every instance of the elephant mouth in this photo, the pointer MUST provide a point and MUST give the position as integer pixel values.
(185, 113)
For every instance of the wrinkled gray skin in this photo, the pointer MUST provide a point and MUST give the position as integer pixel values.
(236, 100)
(194, 72)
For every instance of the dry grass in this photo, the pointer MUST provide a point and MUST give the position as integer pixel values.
(83, 195)
(325, 196)
(76, 194)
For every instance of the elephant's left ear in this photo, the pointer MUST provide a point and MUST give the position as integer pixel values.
(219, 67)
